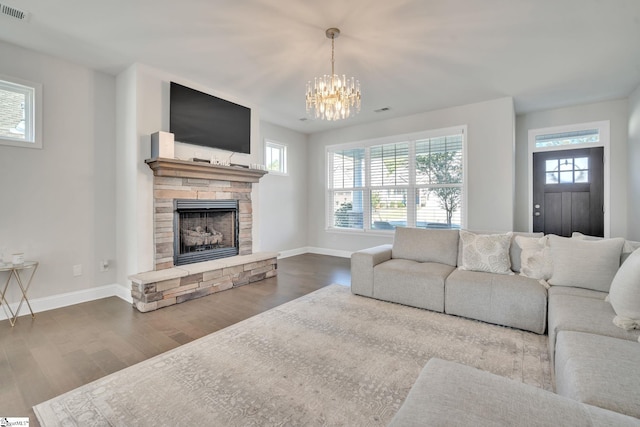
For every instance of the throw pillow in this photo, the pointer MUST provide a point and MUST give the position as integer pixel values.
(515, 250)
(535, 259)
(486, 252)
(589, 264)
(624, 295)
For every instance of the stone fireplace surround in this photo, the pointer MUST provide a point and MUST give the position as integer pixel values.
(167, 284)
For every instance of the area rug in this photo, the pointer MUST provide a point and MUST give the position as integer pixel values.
(329, 358)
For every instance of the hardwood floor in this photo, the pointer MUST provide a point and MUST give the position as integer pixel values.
(65, 348)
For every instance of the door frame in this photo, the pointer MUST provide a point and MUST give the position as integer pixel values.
(604, 129)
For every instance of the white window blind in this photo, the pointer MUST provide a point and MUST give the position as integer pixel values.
(346, 181)
(416, 182)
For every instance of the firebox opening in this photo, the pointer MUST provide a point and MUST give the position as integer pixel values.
(205, 230)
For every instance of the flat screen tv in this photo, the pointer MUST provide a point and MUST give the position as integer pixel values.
(202, 119)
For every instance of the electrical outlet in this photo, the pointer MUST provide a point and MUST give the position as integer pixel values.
(104, 265)
(77, 270)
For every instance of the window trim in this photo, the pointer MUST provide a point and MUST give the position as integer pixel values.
(367, 144)
(604, 128)
(35, 111)
(284, 170)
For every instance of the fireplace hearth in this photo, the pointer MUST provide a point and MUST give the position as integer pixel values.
(205, 230)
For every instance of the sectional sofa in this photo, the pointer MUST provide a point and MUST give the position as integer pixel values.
(542, 284)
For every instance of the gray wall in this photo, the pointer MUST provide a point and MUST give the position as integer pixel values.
(490, 157)
(614, 111)
(633, 162)
(283, 199)
(58, 203)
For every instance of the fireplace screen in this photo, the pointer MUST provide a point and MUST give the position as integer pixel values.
(205, 230)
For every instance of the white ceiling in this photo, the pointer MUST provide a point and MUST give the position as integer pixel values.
(409, 55)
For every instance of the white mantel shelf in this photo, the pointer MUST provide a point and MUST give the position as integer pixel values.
(202, 170)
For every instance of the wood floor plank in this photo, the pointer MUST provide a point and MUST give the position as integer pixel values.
(65, 348)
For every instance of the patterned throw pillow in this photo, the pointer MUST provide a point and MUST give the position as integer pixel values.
(486, 252)
(536, 261)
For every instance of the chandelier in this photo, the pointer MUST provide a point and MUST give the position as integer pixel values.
(331, 97)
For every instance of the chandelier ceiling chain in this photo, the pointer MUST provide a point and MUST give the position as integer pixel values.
(331, 97)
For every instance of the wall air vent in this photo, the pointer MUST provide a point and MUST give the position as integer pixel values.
(13, 12)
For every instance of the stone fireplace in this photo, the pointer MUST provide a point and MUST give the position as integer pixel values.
(203, 220)
(194, 182)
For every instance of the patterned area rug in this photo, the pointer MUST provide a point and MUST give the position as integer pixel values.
(329, 358)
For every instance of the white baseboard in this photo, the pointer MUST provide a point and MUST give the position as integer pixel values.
(70, 298)
(312, 250)
(292, 252)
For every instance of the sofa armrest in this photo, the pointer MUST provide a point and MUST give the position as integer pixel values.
(362, 263)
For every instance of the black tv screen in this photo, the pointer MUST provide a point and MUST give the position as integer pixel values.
(202, 119)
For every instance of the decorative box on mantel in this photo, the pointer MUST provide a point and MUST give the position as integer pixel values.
(179, 276)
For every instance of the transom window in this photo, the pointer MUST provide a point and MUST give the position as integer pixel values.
(20, 106)
(562, 139)
(415, 181)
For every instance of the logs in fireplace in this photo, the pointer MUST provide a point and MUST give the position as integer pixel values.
(205, 230)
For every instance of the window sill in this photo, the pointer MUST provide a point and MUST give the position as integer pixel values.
(354, 231)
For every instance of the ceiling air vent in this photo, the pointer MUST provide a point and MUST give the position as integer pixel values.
(13, 12)
(382, 110)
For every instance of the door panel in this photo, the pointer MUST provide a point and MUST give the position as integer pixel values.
(568, 191)
(553, 208)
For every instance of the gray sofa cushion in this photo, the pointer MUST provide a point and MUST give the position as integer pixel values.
(583, 314)
(514, 301)
(450, 394)
(584, 263)
(422, 245)
(417, 284)
(598, 370)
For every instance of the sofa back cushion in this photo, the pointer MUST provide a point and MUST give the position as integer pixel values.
(589, 264)
(425, 245)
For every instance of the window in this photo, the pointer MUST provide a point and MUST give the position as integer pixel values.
(415, 181)
(567, 139)
(572, 170)
(276, 157)
(20, 118)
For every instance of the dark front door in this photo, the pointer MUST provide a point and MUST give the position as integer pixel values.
(568, 192)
